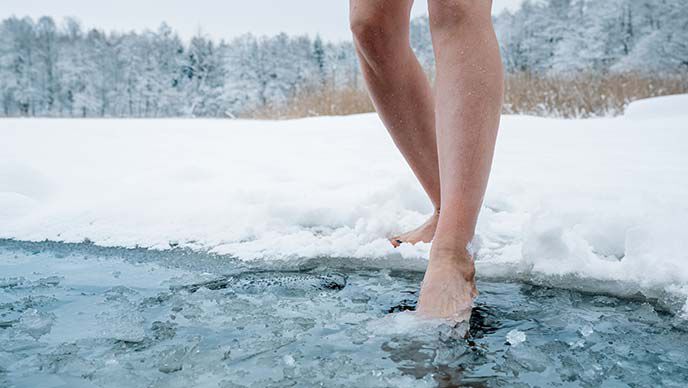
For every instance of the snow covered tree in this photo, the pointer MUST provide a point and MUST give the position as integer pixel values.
(202, 78)
(46, 57)
(319, 56)
(665, 47)
(58, 69)
(19, 59)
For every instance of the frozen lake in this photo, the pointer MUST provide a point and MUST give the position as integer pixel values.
(76, 315)
(228, 253)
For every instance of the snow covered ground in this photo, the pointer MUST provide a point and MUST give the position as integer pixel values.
(596, 205)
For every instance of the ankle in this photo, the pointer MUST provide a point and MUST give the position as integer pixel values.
(451, 244)
(450, 252)
(453, 260)
(451, 239)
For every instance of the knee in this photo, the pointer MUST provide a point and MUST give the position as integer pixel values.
(377, 33)
(361, 24)
(366, 22)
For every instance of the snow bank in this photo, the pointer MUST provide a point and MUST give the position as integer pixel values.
(667, 106)
(597, 205)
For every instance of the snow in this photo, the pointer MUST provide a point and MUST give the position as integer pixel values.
(667, 106)
(597, 205)
(515, 337)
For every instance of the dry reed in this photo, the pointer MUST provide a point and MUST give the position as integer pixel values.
(579, 96)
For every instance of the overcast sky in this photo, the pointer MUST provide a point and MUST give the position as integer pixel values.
(217, 18)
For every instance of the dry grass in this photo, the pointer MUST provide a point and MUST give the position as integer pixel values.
(570, 97)
(585, 95)
(320, 101)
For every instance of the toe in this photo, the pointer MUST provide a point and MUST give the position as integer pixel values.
(395, 242)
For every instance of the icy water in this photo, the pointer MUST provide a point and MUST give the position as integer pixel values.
(82, 316)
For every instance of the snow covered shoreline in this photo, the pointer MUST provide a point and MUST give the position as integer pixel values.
(572, 203)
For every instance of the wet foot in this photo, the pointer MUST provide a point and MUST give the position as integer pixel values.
(423, 233)
(448, 288)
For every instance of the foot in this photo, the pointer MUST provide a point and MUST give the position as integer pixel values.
(423, 233)
(448, 288)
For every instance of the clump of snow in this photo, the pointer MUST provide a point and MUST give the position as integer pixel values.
(515, 337)
(289, 360)
(597, 205)
(586, 330)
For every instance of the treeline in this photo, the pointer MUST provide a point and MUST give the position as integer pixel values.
(62, 70)
(46, 70)
(599, 36)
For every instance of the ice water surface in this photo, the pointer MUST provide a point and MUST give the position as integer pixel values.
(82, 316)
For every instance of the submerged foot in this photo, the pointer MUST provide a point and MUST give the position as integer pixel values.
(448, 288)
(423, 233)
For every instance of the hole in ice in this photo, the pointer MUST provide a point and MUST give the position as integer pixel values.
(180, 318)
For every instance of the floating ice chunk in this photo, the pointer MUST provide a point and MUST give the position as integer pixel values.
(126, 326)
(36, 323)
(50, 281)
(515, 337)
(289, 360)
(11, 282)
(260, 282)
(119, 294)
(586, 330)
(172, 360)
(452, 332)
(400, 323)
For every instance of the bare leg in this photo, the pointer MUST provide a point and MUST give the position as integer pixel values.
(469, 89)
(400, 92)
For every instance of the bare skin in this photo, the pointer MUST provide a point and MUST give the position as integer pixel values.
(450, 152)
(401, 93)
(423, 233)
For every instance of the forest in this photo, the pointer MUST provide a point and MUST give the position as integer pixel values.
(562, 58)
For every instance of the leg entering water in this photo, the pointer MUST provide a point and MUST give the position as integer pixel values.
(469, 89)
(448, 287)
(452, 161)
(401, 93)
